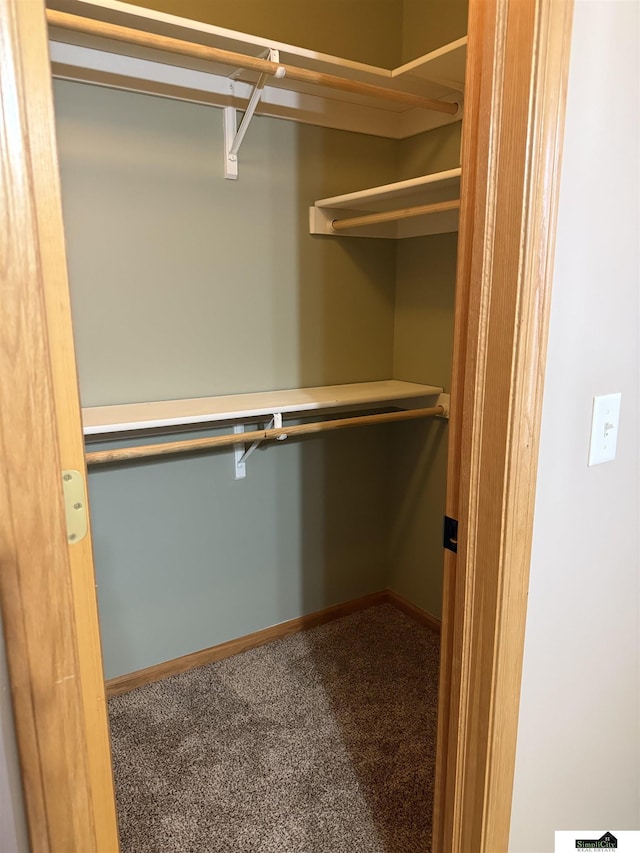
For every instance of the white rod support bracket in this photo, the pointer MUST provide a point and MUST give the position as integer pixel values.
(229, 131)
(239, 456)
(247, 453)
(444, 400)
(234, 135)
(277, 424)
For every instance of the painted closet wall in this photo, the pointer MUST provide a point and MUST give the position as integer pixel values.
(578, 755)
(423, 339)
(425, 288)
(184, 284)
(369, 31)
(425, 273)
(427, 26)
(378, 32)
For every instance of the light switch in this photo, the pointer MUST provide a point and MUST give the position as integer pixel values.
(604, 428)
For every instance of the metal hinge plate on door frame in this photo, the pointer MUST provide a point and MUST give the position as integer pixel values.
(75, 506)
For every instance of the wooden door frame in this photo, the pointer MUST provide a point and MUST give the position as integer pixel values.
(515, 96)
(518, 60)
(47, 586)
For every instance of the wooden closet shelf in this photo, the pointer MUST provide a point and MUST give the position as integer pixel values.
(189, 60)
(130, 417)
(416, 207)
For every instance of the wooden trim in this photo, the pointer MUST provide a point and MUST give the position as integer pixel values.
(125, 683)
(241, 60)
(446, 744)
(416, 613)
(60, 724)
(510, 169)
(479, 59)
(48, 208)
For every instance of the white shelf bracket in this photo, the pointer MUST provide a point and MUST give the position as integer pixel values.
(240, 454)
(276, 423)
(233, 135)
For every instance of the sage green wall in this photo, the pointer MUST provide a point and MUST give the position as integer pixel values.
(368, 31)
(212, 286)
(434, 151)
(429, 25)
(423, 340)
(423, 346)
(186, 557)
(378, 32)
(186, 284)
(425, 291)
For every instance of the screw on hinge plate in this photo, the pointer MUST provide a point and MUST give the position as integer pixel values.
(75, 505)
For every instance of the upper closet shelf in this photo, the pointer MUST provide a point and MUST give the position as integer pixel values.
(119, 45)
(413, 208)
(105, 420)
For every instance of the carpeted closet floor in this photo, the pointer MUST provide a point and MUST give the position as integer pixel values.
(323, 742)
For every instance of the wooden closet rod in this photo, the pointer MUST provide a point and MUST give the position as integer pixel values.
(393, 215)
(240, 60)
(124, 454)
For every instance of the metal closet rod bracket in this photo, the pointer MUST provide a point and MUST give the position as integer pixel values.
(242, 453)
(233, 135)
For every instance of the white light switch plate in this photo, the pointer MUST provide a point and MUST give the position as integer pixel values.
(604, 428)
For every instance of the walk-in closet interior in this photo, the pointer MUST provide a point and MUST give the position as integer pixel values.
(225, 279)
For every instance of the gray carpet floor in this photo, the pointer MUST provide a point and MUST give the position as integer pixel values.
(323, 742)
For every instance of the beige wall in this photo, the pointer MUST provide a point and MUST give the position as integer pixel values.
(425, 292)
(427, 26)
(378, 32)
(365, 30)
(578, 759)
(184, 284)
(434, 151)
(423, 341)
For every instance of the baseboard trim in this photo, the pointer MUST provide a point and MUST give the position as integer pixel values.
(412, 610)
(125, 683)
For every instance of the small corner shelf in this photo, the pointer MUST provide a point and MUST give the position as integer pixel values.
(446, 65)
(412, 208)
(105, 421)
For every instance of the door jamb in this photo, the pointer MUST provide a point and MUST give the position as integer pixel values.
(515, 100)
(47, 585)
